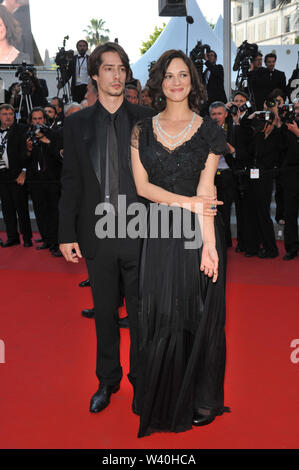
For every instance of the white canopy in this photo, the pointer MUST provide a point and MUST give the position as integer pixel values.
(174, 37)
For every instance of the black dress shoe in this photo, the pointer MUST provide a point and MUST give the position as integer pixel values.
(44, 246)
(202, 420)
(239, 250)
(38, 240)
(250, 255)
(10, 243)
(267, 254)
(88, 313)
(85, 283)
(101, 398)
(289, 256)
(28, 243)
(123, 322)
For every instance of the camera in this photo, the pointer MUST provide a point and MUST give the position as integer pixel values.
(233, 109)
(34, 130)
(246, 107)
(287, 114)
(63, 57)
(197, 55)
(25, 73)
(245, 52)
(261, 118)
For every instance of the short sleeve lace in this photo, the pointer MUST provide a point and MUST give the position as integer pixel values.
(214, 136)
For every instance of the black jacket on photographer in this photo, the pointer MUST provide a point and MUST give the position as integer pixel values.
(240, 136)
(290, 159)
(262, 82)
(45, 161)
(213, 78)
(44, 165)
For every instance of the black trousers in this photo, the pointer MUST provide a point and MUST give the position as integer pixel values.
(14, 201)
(79, 92)
(226, 191)
(116, 260)
(279, 199)
(291, 198)
(45, 198)
(259, 225)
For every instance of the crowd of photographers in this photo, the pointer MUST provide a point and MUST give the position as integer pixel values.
(262, 127)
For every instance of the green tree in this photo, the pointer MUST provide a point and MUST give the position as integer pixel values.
(96, 33)
(152, 39)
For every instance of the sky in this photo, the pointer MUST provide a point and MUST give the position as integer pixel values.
(131, 21)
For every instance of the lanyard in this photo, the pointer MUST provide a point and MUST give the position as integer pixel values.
(80, 65)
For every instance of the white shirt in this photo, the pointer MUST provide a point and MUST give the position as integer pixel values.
(4, 156)
(81, 71)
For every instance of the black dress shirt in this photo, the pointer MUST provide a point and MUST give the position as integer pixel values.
(123, 140)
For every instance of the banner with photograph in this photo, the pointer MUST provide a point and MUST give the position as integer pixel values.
(16, 41)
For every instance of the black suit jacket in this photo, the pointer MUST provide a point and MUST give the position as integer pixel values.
(262, 82)
(81, 176)
(215, 85)
(16, 152)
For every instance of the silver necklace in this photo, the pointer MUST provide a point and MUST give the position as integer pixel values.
(182, 133)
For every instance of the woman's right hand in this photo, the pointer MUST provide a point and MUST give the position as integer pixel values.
(203, 205)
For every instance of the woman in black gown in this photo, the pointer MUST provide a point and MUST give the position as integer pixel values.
(182, 290)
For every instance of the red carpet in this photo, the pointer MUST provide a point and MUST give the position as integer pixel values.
(48, 375)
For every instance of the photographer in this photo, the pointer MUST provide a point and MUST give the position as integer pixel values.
(44, 165)
(13, 193)
(224, 179)
(213, 78)
(267, 150)
(275, 100)
(242, 141)
(264, 80)
(77, 71)
(290, 181)
(31, 87)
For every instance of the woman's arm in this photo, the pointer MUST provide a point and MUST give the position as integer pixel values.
(157, 194)
(206, 187)
(209, 257)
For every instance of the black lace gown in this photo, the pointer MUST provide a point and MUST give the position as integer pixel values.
(182, 346)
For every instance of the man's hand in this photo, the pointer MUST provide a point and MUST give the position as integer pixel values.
(71, 252)
(29, 145)
(293, 127)
(21, 178)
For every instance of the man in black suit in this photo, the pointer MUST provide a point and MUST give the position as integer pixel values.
(78, 72)
(224, 179)
(44, 164)
(264, 80)
(96, 168)
(12, 177)
(214, 79)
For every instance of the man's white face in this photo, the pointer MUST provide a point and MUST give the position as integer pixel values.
(270, 63)
(111, 76)
(219, 115)
(7, 117)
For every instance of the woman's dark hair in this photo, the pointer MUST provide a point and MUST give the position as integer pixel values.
(13, 28)
(95, 58)
(156, 76)
(277, 92)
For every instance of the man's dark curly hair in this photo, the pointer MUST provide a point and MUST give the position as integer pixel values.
(13, 28)
(156, 76)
